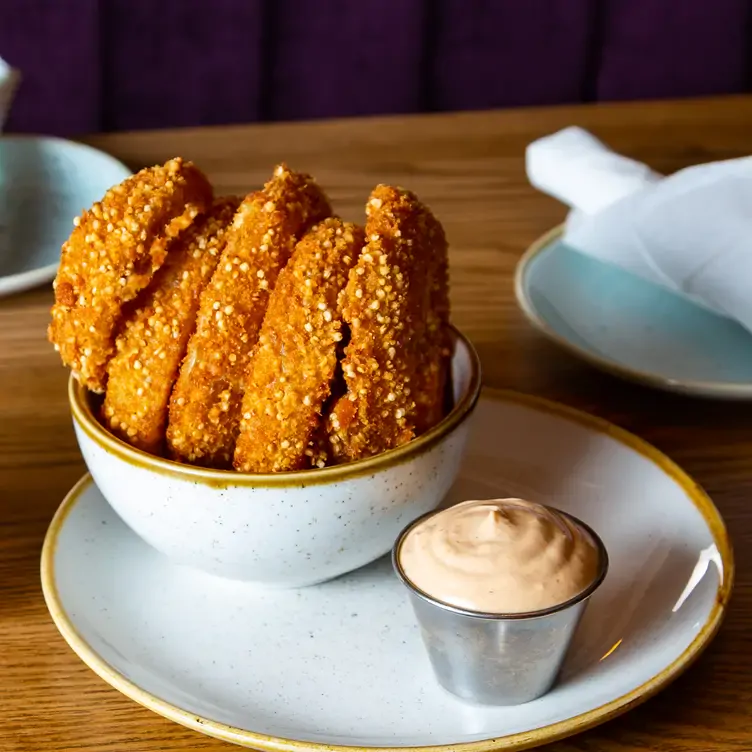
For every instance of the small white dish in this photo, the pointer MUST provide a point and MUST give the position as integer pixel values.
(629, 327)
(44, 183)
(341, 665)
(280, 529)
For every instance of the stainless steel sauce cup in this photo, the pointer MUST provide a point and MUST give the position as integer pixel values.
(498, 659)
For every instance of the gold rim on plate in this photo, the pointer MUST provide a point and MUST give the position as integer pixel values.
(518, 741)
(718, 390)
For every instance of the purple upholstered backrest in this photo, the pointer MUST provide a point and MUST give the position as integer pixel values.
(99, 65)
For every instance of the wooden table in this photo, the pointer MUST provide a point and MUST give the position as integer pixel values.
(469, 168)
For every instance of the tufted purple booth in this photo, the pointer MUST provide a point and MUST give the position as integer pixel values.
(100, 65)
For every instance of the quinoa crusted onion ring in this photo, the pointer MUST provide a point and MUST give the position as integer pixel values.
(292, 368)
(204, 416)
(158, 323)
(116, 247)
(397, 305)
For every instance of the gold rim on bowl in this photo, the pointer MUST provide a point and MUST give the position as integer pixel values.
(86, 420)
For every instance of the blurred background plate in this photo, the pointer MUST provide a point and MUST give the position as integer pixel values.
(632, 328)
(44, 184)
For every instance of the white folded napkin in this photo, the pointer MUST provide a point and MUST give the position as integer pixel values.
(690, 232)
(9, 79)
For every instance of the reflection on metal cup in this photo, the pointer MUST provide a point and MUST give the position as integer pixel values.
(497, 659)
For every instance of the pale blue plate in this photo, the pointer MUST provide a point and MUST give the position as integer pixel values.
(630, 327)
(44, 184)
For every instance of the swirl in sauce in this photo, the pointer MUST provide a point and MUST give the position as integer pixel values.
(499, 556)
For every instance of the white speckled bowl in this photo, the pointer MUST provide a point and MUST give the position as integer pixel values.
(285, 529)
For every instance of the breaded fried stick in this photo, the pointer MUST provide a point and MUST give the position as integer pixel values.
(112, 254)
(205, 404)
(395, 305)
(292, 367)
(435, 353)
(155, 333)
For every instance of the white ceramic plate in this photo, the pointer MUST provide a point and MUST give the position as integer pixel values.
(44, 183)
(632, 328)
(341, 664)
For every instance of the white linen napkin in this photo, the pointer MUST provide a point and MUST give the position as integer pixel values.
(690, 232)
(9, 79)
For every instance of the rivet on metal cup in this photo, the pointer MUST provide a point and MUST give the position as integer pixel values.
(498, 659)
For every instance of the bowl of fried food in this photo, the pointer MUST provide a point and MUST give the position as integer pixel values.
(261, 390)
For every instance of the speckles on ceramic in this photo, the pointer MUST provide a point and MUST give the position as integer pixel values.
(288, 534)
(342, 663)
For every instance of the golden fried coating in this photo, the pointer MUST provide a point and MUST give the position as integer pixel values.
(112, 254)
(318, 450)
(292, 367)
(435, 353)
(204, 411)
(396, 303)
(156, 328)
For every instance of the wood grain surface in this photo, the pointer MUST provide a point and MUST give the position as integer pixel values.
(470, 169)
